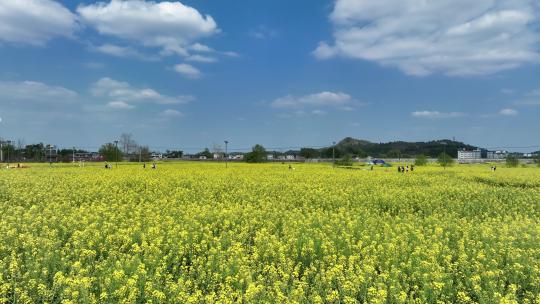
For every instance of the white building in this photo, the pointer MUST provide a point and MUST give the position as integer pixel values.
(497, 154)
(156, 156)
(469, 155)
(270, 156)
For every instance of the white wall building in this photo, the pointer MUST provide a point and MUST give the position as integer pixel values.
(469, 155)
(497, 154)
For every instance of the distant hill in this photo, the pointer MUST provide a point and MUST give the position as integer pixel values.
(396, 149)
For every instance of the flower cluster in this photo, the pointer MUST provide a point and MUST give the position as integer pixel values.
(200, 233)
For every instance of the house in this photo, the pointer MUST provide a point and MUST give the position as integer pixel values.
(156, 155)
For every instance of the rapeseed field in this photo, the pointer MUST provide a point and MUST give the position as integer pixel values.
(200, 233)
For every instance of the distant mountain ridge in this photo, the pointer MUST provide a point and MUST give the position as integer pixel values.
(399, 149)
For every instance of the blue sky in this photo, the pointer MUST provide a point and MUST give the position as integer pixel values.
(191, 74)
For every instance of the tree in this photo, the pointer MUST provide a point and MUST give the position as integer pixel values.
(536, 159)
(421, 160)
(345, 161)
(445, 160)
(174, 153)
(394, 153)
(8, 151)
(257, 155)
(34, 152)
(110, 152)
(128, 144)
(144, 153)
(309, 153)
(206, 153)
(512, 161)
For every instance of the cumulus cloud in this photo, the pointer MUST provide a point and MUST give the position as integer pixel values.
(508, 112)
(188, 71)
(424, 37)
(171, 26)
(123, 91)
(33, 91)
(323, 99)
(35, 22)
(437, 114)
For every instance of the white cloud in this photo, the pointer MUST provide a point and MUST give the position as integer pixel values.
(188, 70)
(508, 112)
(120, 105)
(263, 32)
(35, 22)
(437, 114)
(171, 26)
(324, 99)
(198, 47)
(32, 91)
(231, 54)
(423, 37)
(118, 90)
(122, 51)
(202, 58)
(170, 113)
(201, 48)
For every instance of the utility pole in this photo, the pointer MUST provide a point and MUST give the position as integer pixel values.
(73, 154)
(226, 156)
(116, 151)
(50, 155)
(140, 154)
(9, 147)
(444, 154)
(333, 154)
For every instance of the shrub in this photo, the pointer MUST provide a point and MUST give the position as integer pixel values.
(512, 161)
(445, 160)
(421, 160)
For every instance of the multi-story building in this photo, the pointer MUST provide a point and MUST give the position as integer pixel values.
(497, 154)
(469, 155)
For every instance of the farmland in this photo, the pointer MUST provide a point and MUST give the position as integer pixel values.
(200, 233)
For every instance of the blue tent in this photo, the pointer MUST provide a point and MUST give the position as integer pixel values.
(378, 162)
